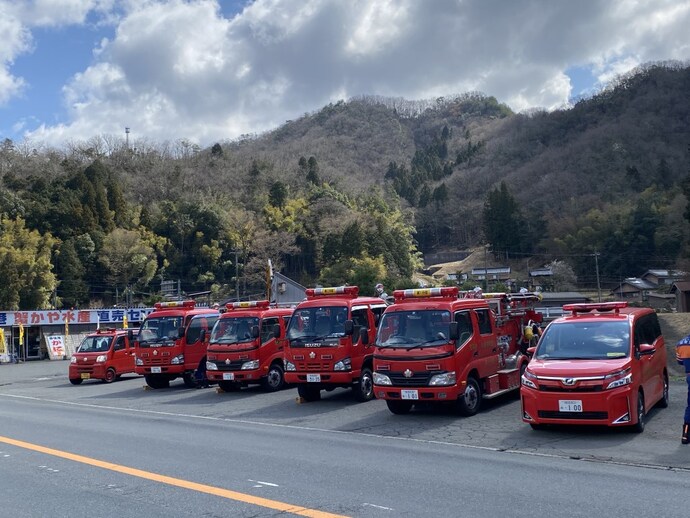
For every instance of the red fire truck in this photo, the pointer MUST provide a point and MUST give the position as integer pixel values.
(329, 342)
(169, 343)
(105, 355)
(243, 348)
(435, 347)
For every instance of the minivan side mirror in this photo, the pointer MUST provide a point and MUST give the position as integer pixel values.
(130, 335)
(646, 350)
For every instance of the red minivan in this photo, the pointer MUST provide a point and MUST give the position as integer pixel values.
(105, 355)
(603, 364)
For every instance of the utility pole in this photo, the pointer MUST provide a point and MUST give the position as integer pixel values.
(596, 262)
(237, 274)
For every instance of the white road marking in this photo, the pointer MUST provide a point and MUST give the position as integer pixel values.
(263, 483)
(379, 507)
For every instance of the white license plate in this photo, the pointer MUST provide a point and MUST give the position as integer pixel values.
(228, 375)
(409, 394)
(313, 378)
(155, 370)
(570, 405)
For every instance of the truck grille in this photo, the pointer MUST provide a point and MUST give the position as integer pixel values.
(234, 365)
(314, 366)
(417, 379)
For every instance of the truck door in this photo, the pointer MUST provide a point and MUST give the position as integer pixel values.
(360, 319)
(269, 346)
(195, 349)
(487, 348)
(121, 360)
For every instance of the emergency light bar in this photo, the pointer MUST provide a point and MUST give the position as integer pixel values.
(340, 290)
(426, 292)
(175, 304)
(106, 330)
(248, 304)
(595, 306)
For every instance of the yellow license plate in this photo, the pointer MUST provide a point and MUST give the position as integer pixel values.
(85, 375)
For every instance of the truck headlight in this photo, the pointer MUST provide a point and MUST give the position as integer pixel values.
(381, 379)
(343, 365)
(289, 366)
(625, 380)
(211, 366)
(138, 361)
(177, 360)
(251, 365)
(442, 380)
(101, 358)
(73, 359)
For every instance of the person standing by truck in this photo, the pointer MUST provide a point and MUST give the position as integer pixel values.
(683, 357)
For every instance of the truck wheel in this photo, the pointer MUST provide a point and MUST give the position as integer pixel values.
(228, 386)
(189, 380)
(156, 382)
(109, 375)
(470, 400)
(364, 390)
(308, 392)
(274, 380)
(399, 407)
(75, 381)
(639, 426)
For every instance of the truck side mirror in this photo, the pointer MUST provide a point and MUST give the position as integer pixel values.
(364, 335)
(276, 331)
(348, 327)
(130, 335)
(255, 332)
(454, 331)
(202, 335)
(180, 332)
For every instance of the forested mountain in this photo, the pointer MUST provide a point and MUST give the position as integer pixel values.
(354, 193)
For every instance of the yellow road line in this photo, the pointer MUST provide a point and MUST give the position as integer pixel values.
(186, 484)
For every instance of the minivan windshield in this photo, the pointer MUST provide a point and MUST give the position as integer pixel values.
(414, 328)
(590, 340)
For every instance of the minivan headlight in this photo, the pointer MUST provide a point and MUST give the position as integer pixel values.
(625, 380)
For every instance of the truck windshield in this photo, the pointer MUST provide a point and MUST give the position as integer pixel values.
(233, 330)
(585, 340)
(414, 328)
(317, 322)
(161, 331)
(95, 344)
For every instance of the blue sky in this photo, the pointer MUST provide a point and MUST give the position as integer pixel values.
(209, 71)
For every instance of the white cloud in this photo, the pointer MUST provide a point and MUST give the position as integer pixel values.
(179, 69)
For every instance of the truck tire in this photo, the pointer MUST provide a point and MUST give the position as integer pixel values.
(399, 407)
(110, 375)
(189, 379)
(308, 392)
(75, 381)
(156, 382)
(471, 399)
(364, 389)
(274, 380)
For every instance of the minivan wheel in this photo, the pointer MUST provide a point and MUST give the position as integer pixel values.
(639, 426)
(663, 402)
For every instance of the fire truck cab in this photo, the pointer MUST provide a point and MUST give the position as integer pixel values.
(169, 343)
(243, 348)
(106, 355)
(330, 342)
(432, 346)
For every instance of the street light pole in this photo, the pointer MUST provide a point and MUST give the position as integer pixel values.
(596, 262)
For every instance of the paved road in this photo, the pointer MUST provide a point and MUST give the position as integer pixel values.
(497, 427)
(333, 456)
